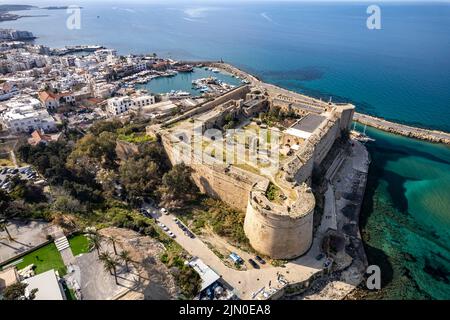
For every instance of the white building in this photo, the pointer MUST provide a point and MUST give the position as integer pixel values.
(27, 115)
(119, 105)
(8, 91)
(47, 285)
(105, 55)
(208, 275)
(143, 101)
(103, 90)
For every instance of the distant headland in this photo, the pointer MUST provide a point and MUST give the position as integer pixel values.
(5, 10)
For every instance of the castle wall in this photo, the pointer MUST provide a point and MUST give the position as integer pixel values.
(347, 113)
(235, 94)
(231, 185)
(278, 236)
(326, 142)
(280, 231)
(220, 185)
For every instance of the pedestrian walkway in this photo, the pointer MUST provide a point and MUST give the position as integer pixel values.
(63, 246)
(62, 243)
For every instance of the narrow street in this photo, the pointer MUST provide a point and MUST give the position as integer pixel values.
(247, 282)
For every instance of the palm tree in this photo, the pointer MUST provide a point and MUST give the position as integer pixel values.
(113, 240)
(109, 264)
(126, 258)
(3, 224)
(113, 263)
(96, 242)
(105, 257)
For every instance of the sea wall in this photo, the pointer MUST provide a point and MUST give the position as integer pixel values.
(404, 130)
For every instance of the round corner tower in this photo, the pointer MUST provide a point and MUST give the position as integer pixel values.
(280, 232)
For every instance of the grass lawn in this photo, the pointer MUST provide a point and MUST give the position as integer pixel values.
(44, 259)
(135, 137)
(79, 244)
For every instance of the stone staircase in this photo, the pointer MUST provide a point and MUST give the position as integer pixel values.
(62, 243)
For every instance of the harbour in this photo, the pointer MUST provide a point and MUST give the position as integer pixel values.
(402, 84)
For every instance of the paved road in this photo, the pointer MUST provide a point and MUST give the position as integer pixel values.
(247, 282)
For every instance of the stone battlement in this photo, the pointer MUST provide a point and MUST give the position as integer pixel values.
(279, 229)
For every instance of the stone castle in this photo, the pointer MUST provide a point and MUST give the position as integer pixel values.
(279, 204)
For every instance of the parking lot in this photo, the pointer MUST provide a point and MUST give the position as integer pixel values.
(247, 283)
(8, 173)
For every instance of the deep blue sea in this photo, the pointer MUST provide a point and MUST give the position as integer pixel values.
(401, 73)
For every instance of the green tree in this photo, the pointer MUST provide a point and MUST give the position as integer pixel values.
(91, 153)
(16, 291)
(177, 185)
(96, 242)
(139, 177)
(126, 258)
(113, 240)
(107, 179)
(67, 204)
(105, 257)
(110, 264)
(106, 125)
(5, 200)
(3, 226)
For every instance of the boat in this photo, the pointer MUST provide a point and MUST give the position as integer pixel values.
(179, 94)
(361, 136)
(185, 68)
(171, 73)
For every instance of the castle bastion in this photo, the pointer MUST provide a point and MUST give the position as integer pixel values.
(280, 227)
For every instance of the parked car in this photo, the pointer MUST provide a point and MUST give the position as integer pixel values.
(253, 263)
(6, 185)
(189, 234)
(260, 260)
(164, 211)
(171, 234)
(165, 228)
(236, 259)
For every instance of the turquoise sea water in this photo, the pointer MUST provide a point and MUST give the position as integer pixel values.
(406, 217)
(401, 73)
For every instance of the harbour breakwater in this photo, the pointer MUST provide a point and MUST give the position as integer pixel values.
(404, 130)
(378, 123)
